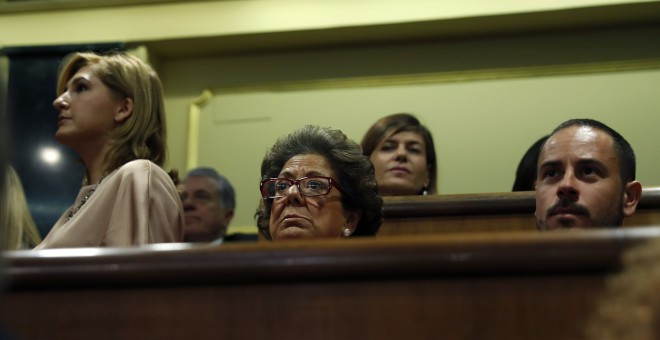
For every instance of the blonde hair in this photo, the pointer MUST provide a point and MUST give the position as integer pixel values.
(17, 228)
(142, 135)
(630, 306)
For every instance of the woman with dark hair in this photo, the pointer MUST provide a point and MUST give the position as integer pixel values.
(527, 168)
(316, 183)
(403, 154)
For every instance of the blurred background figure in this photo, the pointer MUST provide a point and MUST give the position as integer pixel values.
(526, 172)
(403, 154)
(629, 308)
(208, 201)
(17, 228)
(4, 334)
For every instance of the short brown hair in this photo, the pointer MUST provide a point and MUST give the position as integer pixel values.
(399, 122)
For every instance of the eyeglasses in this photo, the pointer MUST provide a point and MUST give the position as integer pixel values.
(307, 186)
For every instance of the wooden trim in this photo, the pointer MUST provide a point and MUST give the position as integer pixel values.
(383, 258)
(477, 286)
(444, 77)
(51, 5)
(503, 203)
(461, 204)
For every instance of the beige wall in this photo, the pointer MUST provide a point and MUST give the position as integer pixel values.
(188, 19)
(485, 97)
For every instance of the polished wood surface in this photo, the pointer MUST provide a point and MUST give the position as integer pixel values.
(506, 211)
(516, 285)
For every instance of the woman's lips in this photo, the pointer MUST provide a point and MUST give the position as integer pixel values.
(293, 220)
(399, 169)
(61, 120)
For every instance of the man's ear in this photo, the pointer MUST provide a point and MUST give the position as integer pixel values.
(124, 110)
(228, 215)
(631, 195)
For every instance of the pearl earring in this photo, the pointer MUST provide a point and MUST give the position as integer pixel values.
(347, 232)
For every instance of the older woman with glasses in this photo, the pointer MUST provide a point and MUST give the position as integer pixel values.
(317, 184)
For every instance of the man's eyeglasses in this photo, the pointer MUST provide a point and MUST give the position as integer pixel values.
(307, 186)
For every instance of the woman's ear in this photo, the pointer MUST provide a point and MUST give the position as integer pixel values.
(124, 109)
(352, 219)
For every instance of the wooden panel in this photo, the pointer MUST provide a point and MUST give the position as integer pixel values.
(484, 212)
(459, 223)
(454, 308)
(518, 285)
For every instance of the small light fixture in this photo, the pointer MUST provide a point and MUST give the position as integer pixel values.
(50, 155)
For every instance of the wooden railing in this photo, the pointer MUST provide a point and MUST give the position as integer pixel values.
(515, 285)
(484, 212)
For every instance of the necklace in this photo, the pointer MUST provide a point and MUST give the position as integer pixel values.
(75, 209)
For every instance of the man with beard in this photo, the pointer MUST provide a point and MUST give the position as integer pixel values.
(586, 177)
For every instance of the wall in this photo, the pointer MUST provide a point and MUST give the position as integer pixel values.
(189, 19)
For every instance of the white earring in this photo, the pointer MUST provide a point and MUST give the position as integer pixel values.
(347, 232)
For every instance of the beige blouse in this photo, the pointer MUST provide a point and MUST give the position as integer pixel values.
(134, 205)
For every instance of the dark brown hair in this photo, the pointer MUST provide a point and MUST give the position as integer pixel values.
(393, 124)
(355, 174)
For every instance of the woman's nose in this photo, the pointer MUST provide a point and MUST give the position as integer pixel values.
(400, 153)
(293, 196)
(59, 103)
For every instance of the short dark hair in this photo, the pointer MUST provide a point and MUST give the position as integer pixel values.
(224, 188)
(354, 170)
(527, 168)
(624, 152)
(399, 122)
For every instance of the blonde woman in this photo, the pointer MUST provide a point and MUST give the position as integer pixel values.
(111, 113)
(17, 228)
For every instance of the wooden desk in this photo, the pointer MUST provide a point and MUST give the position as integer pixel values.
(521, 285)
(507, 211)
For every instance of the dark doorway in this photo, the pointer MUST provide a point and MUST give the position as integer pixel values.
(51, 173)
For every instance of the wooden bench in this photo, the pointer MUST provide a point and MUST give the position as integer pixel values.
(484, 212)
(515, 285)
